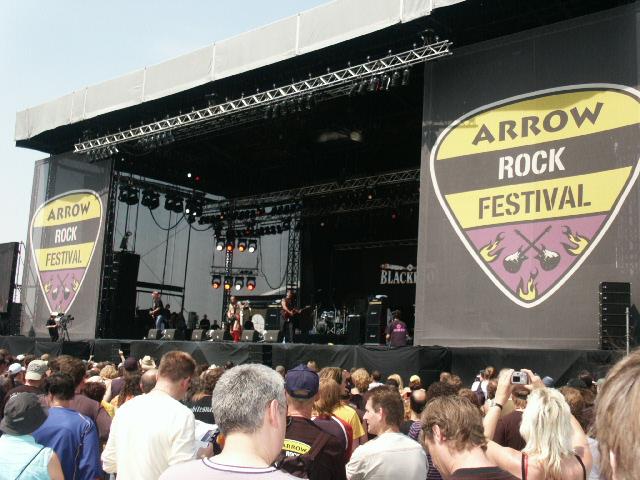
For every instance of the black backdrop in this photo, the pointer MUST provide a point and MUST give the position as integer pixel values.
(8, 258)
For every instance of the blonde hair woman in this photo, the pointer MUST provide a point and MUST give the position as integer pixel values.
(556, 447)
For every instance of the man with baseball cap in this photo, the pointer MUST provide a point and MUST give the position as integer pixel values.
(20, 455)
(33, 378)
(308, 451)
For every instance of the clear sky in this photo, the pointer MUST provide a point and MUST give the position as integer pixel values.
(51, 48)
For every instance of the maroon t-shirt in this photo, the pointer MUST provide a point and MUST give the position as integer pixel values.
(482, 473)
(397, 331)
(507, 431)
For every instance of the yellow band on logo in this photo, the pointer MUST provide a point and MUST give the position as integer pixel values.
(561, 197)
(69, 209)
(63, 258)
(538, 120)
(295, 446)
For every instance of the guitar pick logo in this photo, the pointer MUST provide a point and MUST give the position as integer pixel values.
(63, 235)
(531, 184)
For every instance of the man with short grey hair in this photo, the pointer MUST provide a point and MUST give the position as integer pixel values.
(250, 408)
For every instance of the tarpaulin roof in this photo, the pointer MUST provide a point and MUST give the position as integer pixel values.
(308, 31)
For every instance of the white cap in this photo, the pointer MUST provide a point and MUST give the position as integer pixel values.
(15, 368)
(20, 357)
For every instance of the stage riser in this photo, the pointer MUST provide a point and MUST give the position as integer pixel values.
(427, 362)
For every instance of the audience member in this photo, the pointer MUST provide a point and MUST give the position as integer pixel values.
(617, 420)
(129, 367)
(415, 382)
(250, 407)
(376, 376)
(398, 379)
(200, 403)
(281, 370)
(391, 454)
(154, 431)
(81, 403)
(417, 402)
(508, 428)
(308, 451)
(454, 436)
(20, 455)
(70, 434)
(33, 379)
(556, 446)
(148, 380)
(313, 365)
(328, 400)
(130, 390)
(147, 363)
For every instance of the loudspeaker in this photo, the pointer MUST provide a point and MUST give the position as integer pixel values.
(614, 300)
(271, 336)
(355, 330)
(376, 322)
(249, 336)
(272, 319)
(216, 335)
(169, 334)
(197, 335)
(123, 294)
(154, 334)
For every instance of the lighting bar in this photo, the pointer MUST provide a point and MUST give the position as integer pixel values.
(328, 81)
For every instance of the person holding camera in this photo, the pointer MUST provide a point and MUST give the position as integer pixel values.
(556, 446)
(52, 327)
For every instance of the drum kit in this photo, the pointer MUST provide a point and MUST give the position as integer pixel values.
(334, 321)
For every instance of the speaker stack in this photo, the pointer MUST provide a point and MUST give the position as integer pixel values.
(615, 299)
(122, 299)
(272, 319)
(376, 322)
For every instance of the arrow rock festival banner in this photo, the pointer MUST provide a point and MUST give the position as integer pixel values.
(531, 184)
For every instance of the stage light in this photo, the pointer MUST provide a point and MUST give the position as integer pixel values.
(150, 199)
(373, 84)
(173, 203)
(386, 81)
(267, 112)
(216, 281)
(252, 246)
(230, 245)
(220, 245)
(406, 73)
(242, 245)
(193, 207)
(227, 283)
(395, 78)
(189, 175)
(251, 283)
(362, 88)
(239, 283)
(128, 194)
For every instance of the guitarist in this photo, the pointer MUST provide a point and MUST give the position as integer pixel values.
(287, 315)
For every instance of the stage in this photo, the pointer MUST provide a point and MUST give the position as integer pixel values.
(427, 362)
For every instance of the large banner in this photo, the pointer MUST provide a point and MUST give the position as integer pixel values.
(530, 199)
(64, 255)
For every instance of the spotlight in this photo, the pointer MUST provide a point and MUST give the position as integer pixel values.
(189, 175)
(373, 84)
(406, 73)
(216, 281)
(227, 283)
(128, 194)
(242, 245)
(362, 88)
(252, 246)
(173, 203)
(395, 79)
(230, 245)
(220, 245)
(386, 80)
(239, 283)
(193, 207)
(150, 199)
(251, 283)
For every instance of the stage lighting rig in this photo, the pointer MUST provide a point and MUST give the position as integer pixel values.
(239, 283)
(230, 245)
(227, 283)
(252, 245)
(193, 207)
(220, 245)
(173, 203)
(251, 283)
(150, 199)
(128, 194)
(216, 281)
(242, 245)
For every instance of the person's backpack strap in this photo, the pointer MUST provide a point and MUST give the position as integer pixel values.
(29, 463)
(317, 445)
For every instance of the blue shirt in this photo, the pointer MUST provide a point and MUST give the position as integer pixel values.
(20, 451)
(74, 438)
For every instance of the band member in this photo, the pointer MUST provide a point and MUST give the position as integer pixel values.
(287, 315)
(52, 326)
(234, 314)
(157, 311)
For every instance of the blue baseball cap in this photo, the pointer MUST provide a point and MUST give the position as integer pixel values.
(302, 382)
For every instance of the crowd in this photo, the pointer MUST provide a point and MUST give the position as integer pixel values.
(67, 418)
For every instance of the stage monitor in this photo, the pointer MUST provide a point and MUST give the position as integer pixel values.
(8, 260)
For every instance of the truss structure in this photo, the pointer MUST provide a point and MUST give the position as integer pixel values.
(330, 81)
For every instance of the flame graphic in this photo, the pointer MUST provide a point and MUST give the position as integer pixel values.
(488, 252)
(579, 242)
(47, 287)
(531, 291)
(75, 285)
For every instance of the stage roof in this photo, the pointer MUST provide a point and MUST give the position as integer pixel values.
(308, 31)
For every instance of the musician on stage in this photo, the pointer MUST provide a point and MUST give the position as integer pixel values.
(234, 312)
(158, 311)
(287, 314)
(52, 326)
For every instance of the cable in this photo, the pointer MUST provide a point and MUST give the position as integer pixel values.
(160, 226)
(284, 277)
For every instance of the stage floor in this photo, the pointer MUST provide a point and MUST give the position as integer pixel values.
(427, 362)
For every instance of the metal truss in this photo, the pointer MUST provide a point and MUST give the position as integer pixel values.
(323, 83)
(407, 242)
(294, 257)
(374, 204)
(349, 185)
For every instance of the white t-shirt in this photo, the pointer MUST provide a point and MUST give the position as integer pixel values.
(209, 469)
(391, 455)
(148, 434)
